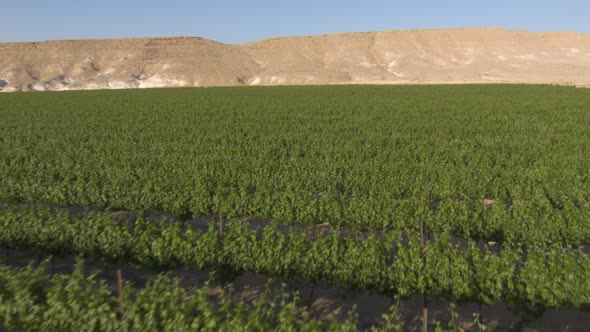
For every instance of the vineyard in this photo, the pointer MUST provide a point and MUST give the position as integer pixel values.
(476, 196)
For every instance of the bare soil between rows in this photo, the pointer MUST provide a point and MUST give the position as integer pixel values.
(327, 302)
(317, 300)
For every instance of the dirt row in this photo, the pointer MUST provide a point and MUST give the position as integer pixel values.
(327, 302)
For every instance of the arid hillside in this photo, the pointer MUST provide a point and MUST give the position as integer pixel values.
(485, 55)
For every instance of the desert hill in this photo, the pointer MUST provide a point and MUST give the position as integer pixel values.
(482, 55)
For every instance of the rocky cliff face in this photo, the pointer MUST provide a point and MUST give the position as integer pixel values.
(388, 57)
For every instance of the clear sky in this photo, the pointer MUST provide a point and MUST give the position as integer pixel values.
(243, 21)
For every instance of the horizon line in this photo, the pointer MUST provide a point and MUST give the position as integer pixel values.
(294, 36)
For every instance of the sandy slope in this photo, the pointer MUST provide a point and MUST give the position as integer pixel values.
(387, 57)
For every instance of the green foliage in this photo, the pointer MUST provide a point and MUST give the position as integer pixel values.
(32, 301)
(347, 155)
(546, 276)
(505, 163)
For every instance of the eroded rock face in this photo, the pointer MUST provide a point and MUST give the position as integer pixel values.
(388, 57)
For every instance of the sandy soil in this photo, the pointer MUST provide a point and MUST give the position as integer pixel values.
(436, 56)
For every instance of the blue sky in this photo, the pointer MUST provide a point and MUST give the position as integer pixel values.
(243, 21)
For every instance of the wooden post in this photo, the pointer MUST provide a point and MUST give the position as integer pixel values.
(51, 266)
(221, 226)
(120, 293)
(422, 249)
(221, 273)
(425, 296)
